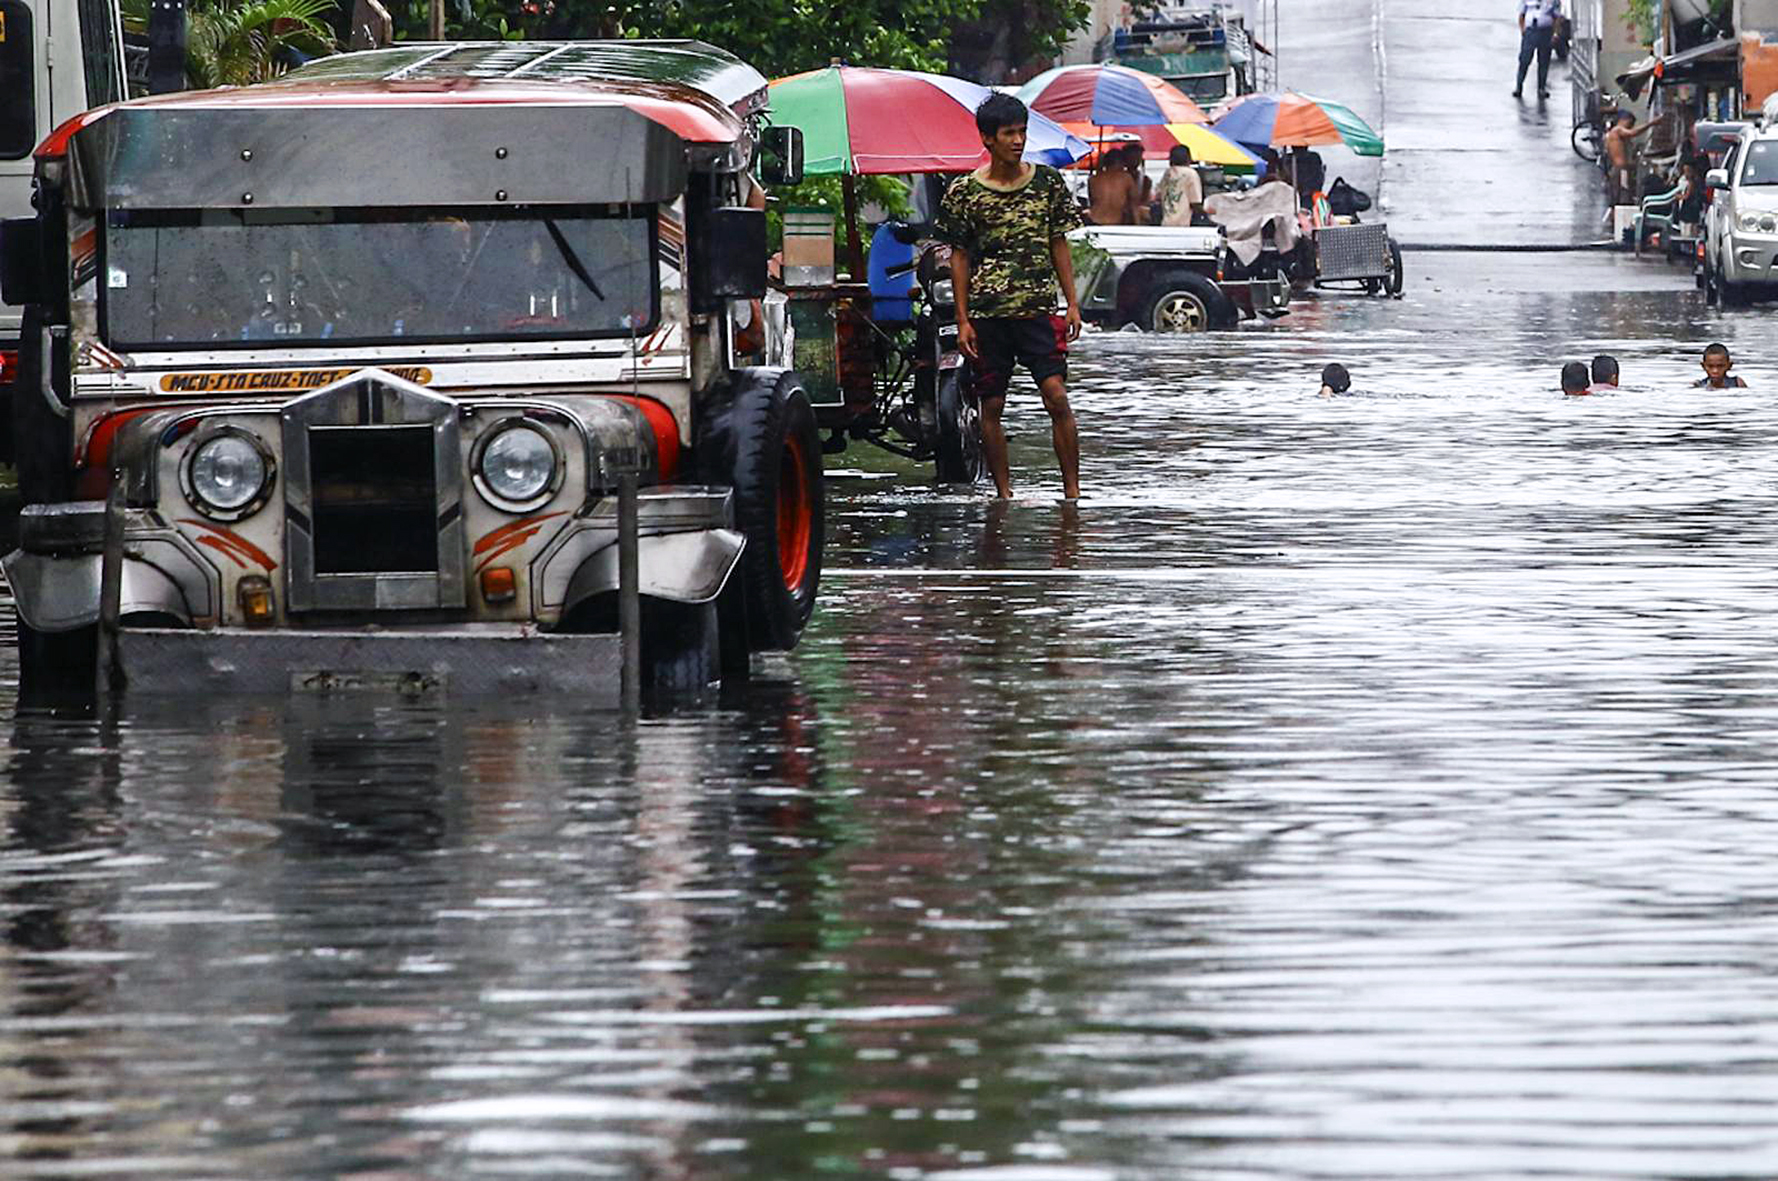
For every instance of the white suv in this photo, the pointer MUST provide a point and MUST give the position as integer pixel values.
(1741, 233)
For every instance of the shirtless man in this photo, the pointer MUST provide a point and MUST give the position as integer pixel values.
(1617, 150)
(1112, 191)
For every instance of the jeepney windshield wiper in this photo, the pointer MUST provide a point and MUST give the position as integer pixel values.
(571, 258)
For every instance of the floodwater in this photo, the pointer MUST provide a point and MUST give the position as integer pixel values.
(1372, 787)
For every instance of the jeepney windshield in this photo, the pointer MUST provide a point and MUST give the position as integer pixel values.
(371, 276)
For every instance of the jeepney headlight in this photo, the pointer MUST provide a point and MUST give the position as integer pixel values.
(517, 466)
(226, 475)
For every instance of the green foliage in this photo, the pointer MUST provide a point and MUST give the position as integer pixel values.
(1642, 14)
(827, 192)
(1641, 17)
(235, 42)
(468, 20)
(776, 40)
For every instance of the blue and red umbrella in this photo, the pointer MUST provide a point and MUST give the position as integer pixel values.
(1109, 96)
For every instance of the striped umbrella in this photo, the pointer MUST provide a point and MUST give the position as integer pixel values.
(858, 121)
(1109, 96)
(1293, 120)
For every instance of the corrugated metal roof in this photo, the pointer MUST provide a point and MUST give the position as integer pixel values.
(714, 72)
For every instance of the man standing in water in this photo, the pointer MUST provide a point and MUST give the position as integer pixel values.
(1537, 30)
(1006, 224)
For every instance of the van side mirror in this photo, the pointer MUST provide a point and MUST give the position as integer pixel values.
(21, 262)
(728, 257)
(1716, 178)
(781, 156)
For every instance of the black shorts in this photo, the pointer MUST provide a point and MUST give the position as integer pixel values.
(1039, 343)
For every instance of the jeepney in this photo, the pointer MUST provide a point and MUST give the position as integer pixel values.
(364, 356)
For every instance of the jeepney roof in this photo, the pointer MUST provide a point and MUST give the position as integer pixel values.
(470, 123)
(714, 72)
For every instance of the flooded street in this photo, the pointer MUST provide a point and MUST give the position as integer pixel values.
(1374, 787)
(1363, 787)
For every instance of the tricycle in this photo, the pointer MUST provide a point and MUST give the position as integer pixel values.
(356, 378)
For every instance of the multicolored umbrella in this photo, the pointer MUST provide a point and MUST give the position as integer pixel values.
(1109, 96)
(858, 121)
(1293, 120)
(1159, 139)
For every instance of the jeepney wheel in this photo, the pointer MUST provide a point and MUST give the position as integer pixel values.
(56, 666)
(679, 650)
(959, 454)
(1184, 302)
(43, 446)
(777, 480)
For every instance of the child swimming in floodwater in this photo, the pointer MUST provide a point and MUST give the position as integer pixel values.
(1605, 373)
(1335, 380)
(1717, 364)
(1574, 379)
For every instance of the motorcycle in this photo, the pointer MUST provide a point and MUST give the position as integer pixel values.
(925, 408)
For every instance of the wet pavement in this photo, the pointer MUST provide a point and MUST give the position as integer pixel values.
(1371, 787)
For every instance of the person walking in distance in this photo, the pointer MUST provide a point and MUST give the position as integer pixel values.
(1537, 29)
(1006, 224)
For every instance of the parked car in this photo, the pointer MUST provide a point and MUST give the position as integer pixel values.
(1741, 224)
(370, 350)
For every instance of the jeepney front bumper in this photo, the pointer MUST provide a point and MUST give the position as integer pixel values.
(473, 660)
(172, 639)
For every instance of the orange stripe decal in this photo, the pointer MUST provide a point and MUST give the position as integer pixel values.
(529, 525)
(232, 544)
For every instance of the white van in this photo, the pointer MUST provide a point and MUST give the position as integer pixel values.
(57, 59)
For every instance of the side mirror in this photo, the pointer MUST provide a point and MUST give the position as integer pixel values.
(728, 257)
(781, 156)
(21, 262)
(1716, 178)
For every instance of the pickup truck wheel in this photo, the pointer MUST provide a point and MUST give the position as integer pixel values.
(1729, 294)
(43, 450)
(778, 505)
(57, 665)
(679, 650)
(959, 458)
(1184, 302)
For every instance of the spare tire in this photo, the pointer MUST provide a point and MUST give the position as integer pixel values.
(774, 451)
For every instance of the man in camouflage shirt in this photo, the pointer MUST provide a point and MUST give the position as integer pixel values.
(1005, 223)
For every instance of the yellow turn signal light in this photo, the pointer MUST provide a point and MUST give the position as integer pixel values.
(255, 595)
(499, 585)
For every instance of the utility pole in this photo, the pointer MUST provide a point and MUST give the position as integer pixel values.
(166, 46)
